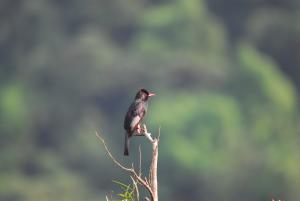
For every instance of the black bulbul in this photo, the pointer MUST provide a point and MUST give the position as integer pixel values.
(135, 115)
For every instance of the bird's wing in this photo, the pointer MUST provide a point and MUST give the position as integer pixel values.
(137, 113)
(137, 109)
(135, 122)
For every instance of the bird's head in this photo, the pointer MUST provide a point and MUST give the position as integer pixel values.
(143, 94)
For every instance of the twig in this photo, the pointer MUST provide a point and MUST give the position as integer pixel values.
(110, 155)
(154, 184)
(158, 133)
(150, 174)
(136, 189)
(140, 161)
(147, 134)
(130, 170)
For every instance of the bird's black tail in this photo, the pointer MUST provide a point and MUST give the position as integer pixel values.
(126, 145)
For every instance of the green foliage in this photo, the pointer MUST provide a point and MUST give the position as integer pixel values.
(180, 26)
(14, 111)
(263, 74)
(130, 192)
(206, 126)
(227, 78)
(267, 90)
(52, 181)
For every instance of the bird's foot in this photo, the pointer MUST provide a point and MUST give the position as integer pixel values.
(142, 131)
(139, 130)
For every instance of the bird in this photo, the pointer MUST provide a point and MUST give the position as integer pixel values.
(134, 115)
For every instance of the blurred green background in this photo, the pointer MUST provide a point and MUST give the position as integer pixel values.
(227, 77)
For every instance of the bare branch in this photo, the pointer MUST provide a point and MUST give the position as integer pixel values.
(140, 161)
(154, 184)
(150, 174)
(143, 183)
(136, 188)
(110, 155)
(146, 180)
(147, 134)
(158, 133)
(130, 170)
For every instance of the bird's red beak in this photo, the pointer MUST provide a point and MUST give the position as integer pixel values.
(151, 94)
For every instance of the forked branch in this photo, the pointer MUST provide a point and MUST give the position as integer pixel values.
(148, 183)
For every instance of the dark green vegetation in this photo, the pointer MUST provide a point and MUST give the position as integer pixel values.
(227, 77)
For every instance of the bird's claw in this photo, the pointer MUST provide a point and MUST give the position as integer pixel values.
(139, 129)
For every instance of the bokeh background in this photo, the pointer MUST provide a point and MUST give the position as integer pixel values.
(227, 77)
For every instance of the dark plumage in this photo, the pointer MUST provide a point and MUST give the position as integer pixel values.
(135, 115)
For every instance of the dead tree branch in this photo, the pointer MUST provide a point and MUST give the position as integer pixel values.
(148, 183)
